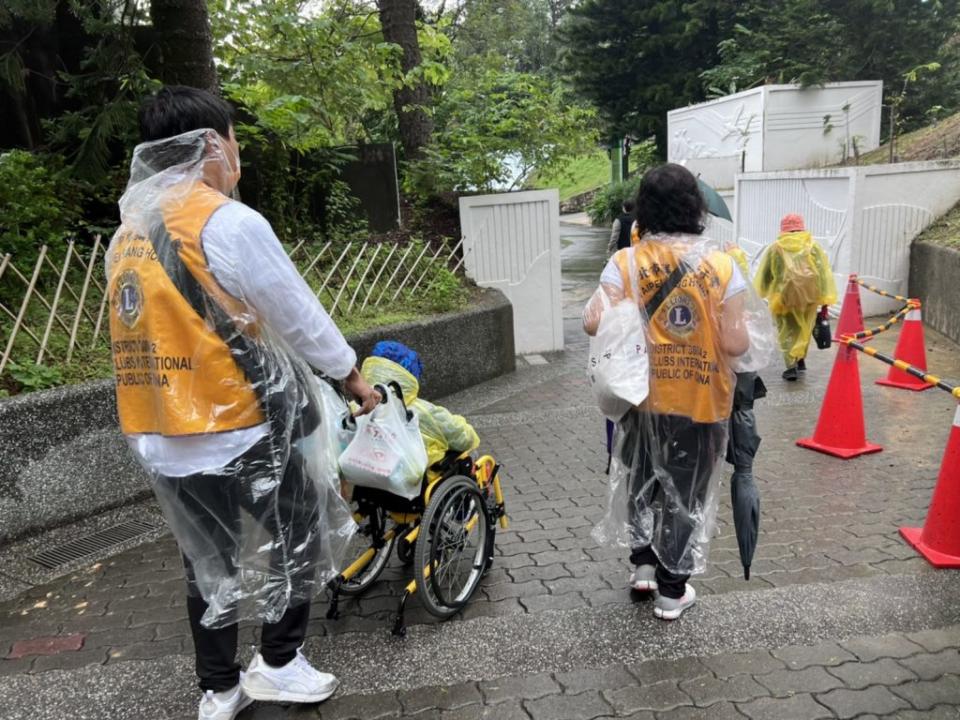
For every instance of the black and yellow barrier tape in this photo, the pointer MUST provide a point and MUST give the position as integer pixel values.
(898, 316)
(916, 372)
(878, 291)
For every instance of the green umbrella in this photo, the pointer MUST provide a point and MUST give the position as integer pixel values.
(715, 204)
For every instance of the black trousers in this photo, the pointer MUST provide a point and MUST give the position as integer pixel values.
(216, 649)
(673, 459)
(207, 512)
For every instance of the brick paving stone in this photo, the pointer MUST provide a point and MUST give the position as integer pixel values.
(797, 707)
(859, 557)
(718, 711)
(584, 706)
(885, 671)
(70, 661)
(755, 662)
(16, 667)
(149, 650)
(658, 697)
(506, 711)
(572, 584)
(538, 572)
(798, 657)
(709, 690)
(941, 712)
(939, 639)
(567, 601)
(654, 671)
(926, 694)
(532, 588)
(893, 645)
(783, 683)
(605, 678)
(123, 636)
(442, 698)
(616, 596)
(530, 687)
(851, 703)
(361, 707)
(931, 666)
(53, 645)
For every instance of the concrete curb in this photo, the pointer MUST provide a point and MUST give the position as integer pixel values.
(62, 457)
(934, 270)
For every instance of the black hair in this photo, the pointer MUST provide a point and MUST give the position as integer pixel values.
(669, 201)
(628, 206)
(176, 109)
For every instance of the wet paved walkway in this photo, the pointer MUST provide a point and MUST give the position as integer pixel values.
(840, 618)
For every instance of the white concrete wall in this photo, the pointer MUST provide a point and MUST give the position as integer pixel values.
(719, 130)
(864, 217)
(774, 127)
(511, 241)
(794, 128)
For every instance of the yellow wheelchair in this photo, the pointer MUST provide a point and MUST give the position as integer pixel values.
(446, 534)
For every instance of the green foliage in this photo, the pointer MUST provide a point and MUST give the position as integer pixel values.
(578, 175)
(635, 61)
(38, 203)
(816, 41)
(35, 377)
(492, 124)
(606, 205)
(445, 291)
(312, 78)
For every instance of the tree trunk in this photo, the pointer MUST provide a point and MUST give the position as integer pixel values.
(398, 20)
(186, 43)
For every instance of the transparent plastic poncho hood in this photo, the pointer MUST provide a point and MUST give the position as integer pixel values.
(262, 532)
(665, 466)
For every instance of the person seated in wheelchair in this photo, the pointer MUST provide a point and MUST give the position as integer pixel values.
(446, 436)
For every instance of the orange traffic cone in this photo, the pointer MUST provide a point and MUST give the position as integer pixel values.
(840, 429)
(911, 349)
(939, 539)
(851, 312)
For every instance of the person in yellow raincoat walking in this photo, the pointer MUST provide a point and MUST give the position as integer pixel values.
(796, 280)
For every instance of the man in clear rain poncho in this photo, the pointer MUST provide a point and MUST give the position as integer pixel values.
(668, 452)
(214, 334)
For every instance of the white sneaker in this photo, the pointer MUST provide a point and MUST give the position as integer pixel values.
(225, 705)
(296, 682)
(644, 578)
(671, 608)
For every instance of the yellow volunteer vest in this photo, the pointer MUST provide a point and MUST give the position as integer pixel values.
(175, 376)
(688, 375)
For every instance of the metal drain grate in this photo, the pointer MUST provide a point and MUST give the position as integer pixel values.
(92, 544)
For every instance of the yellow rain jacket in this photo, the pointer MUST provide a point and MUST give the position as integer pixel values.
(796, 279)
(740, 258)
(440, 428)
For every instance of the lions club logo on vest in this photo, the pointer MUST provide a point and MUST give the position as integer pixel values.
(679, 317)
(128, 298)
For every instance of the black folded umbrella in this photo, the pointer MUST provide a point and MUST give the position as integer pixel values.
(746, 516)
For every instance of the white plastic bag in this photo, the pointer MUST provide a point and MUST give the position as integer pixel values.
(387, 451)
(618, 367)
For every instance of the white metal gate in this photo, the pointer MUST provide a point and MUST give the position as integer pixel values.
(511, 242)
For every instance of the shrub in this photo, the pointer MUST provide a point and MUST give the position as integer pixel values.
(606, 204)
(37, 202)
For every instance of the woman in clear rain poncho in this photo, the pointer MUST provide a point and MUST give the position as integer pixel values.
(795, 278)
(664, 474)
(213, 336)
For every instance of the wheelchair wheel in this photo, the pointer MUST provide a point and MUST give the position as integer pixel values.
(369, 534)
(453, 544)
